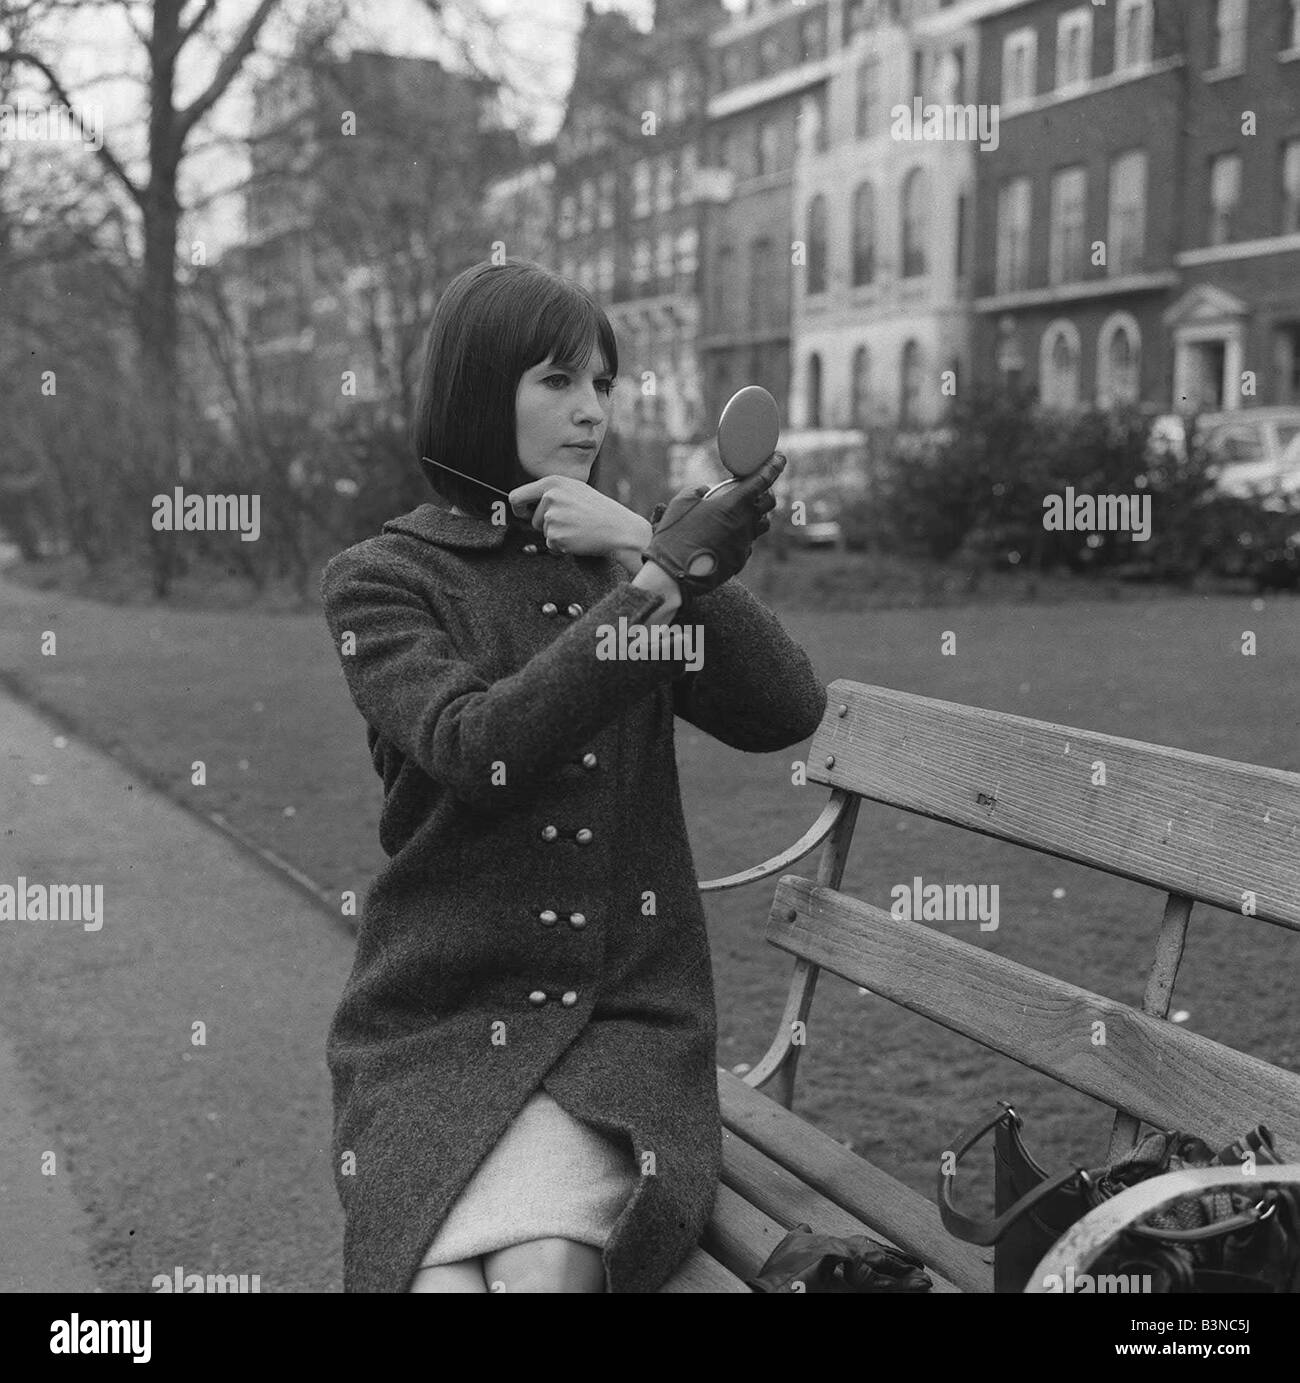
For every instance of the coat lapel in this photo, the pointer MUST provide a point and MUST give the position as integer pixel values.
(434, 524)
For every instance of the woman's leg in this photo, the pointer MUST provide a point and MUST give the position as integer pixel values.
(545, 1265)
(465, 1276)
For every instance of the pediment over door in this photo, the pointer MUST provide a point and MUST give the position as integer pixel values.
(1205, 305)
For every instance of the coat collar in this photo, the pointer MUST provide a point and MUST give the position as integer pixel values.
(437, 525)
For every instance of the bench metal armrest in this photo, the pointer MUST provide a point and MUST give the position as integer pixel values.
(778, 864)
(1085, 1241)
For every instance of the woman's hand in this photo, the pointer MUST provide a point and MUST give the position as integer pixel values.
(578, 519)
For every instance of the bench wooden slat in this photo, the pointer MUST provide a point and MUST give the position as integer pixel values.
(701, 1273)
(739, 1235)
(1164, 1074)
(789, 1201)
(883, 1204)
(1188, 823)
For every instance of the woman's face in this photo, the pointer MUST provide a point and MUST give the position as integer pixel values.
(555, 408)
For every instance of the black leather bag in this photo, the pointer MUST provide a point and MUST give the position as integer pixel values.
(1225, 1240)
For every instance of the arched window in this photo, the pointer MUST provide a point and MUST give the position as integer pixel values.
(1119, 357)
(915, 206)
(817, 244)
(814, 391)
(910, 385)
(1058, 366)
(864, 234)
(860, 392)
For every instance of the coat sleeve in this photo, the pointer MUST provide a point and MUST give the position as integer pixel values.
(756, 689)
(420, 695)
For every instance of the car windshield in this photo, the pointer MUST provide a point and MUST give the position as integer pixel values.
(1238, 446)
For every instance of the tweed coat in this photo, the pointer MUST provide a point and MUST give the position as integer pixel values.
(538, 921)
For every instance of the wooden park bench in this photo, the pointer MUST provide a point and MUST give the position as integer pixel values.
(1197, 828)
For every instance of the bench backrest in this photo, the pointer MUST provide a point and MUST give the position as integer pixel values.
(1204, 829)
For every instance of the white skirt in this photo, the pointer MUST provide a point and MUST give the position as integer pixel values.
(550, 1176)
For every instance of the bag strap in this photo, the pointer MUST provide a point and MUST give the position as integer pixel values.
(987, 1232)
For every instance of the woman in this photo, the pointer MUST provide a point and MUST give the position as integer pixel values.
(524, 1054)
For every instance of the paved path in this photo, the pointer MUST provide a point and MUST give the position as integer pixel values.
(214, 1157)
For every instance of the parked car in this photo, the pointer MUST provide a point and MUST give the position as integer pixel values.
(1255, 452)
(822, 528)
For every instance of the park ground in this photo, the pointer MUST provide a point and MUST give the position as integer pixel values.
(259, 698)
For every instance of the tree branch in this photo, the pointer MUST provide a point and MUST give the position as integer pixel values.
(109, 160)
(234, 59)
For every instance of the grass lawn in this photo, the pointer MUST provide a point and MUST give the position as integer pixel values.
(260, 699)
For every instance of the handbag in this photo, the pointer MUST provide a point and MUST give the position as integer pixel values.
(1226, 1239)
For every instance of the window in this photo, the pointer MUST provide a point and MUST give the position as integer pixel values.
(858, 17)
(723, 285)
(868, 97)
(586, 207)
(1059, 366)
(909, 379)
(641, 176)
(1291, 187)
(1225, 196)
(1118, 346)
(963, 204)
(641, 262)
(814, 130)
(736, 154)
(664, 260)
(1128, 197)
(687, 168)
(812, 37)
(568, 211)
(733, 66)
(677, 94)
(688, 252)
(760, 273)
(814, 391)
(1073, 49)
(1286, 345)
(605, 271)
(1014, 205)
(952, 77)
(1066, 254)
(915, 207)
(817, 245)
(1019, 67)
(654, 98)
(1133, 27)
(864, 234)
(664, 185)
(860, 387)
(1292, 38)
(767, 146)
(605, 206)
(769, 54)
(918, 74)
(1229, 38)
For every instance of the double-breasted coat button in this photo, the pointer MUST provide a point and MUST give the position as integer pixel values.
(548, 918)
(575, 610)
(569, 998)
(550, 608)
(549, 833)
(584, 837)
(531, 549)
(577, 920)
(537, 998)
(589, 761)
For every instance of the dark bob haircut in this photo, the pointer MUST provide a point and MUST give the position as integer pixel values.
(493, 322)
